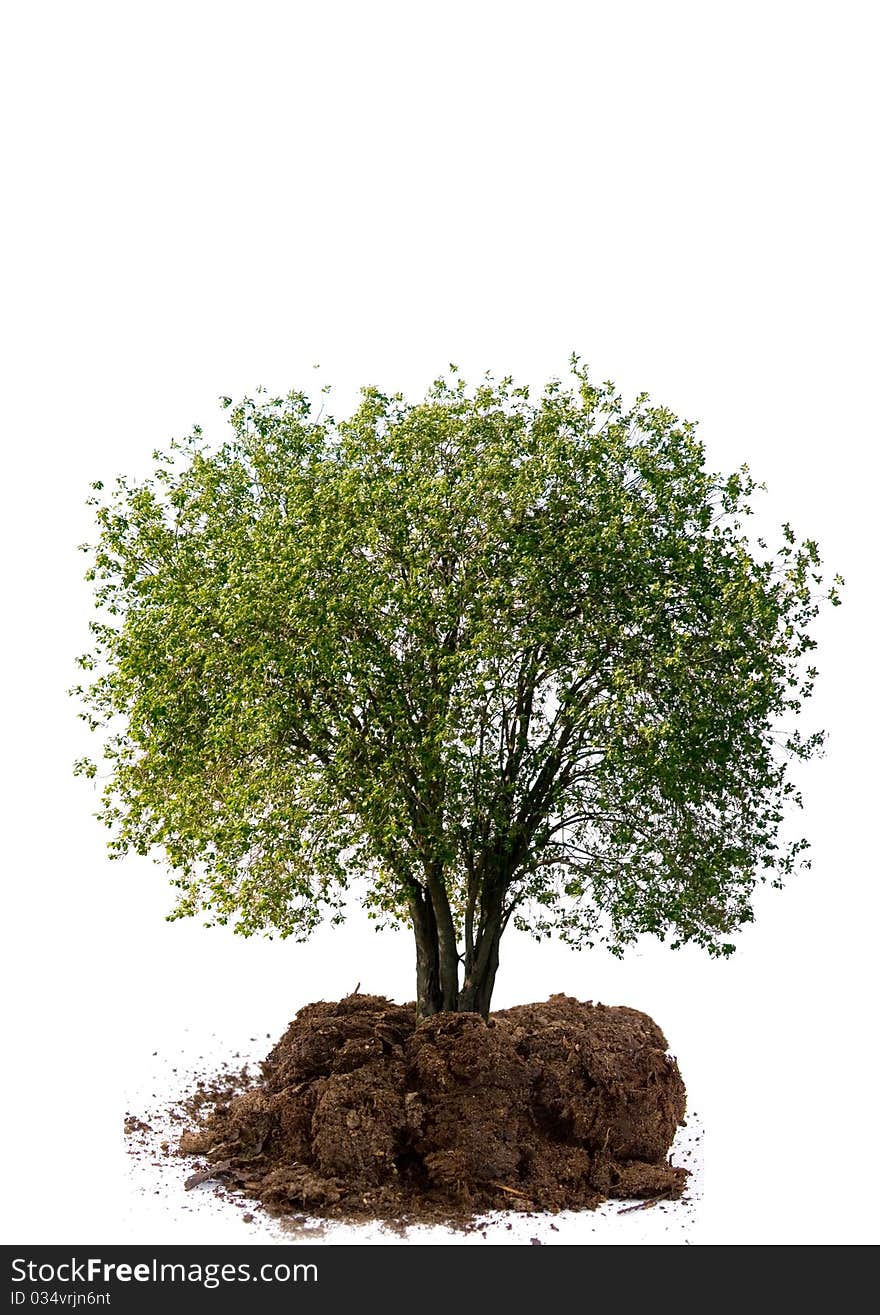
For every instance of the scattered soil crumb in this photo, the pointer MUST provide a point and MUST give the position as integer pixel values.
(134, 1125)
(361, 1112)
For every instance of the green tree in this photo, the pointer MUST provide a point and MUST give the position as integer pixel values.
(496, 657)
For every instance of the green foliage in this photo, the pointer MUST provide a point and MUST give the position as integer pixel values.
(481, 635)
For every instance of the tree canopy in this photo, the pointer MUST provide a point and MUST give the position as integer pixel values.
(492, 655)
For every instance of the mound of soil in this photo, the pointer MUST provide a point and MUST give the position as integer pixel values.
(362, 1111)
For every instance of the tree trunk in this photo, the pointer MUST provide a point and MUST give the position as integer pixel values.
(479, 982)
(486, 984)
(436, 949)
(447, 942)
(437, 959)
(429, 997)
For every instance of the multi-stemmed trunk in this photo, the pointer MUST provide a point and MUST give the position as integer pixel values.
(436, 961)
(437, 955)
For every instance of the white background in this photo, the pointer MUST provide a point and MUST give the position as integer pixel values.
(200, 198)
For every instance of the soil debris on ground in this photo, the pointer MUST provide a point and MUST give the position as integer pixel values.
(360, 1111)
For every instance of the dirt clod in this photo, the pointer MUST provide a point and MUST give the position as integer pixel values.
(135, 1125)
(363, 1112)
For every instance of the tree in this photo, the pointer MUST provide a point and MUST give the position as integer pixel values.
(491, 656)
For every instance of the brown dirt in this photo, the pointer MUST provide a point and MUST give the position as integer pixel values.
(362, 1112)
